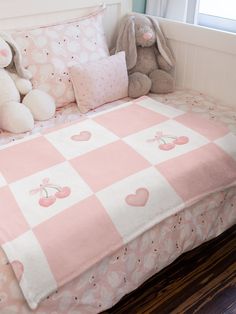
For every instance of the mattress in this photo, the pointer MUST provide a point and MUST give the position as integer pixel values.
(103, 285)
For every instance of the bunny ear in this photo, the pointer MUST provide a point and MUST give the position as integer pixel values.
(126, 41)
(17, 59)
(161, 43)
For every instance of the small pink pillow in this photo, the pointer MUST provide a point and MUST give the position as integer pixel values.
(100, 82)
(49, 51)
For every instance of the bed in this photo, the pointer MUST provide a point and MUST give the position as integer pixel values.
(122, 270)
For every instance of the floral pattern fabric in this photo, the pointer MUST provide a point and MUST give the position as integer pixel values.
(49, 51)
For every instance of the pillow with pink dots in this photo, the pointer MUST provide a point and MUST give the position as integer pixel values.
(49, 51)
(99, 82)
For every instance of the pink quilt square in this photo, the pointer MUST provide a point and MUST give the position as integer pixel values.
(108, 164)
(199, 172)
(26, 158)
(79, 238)
(129, 120)
(12, 222)
(212, 130)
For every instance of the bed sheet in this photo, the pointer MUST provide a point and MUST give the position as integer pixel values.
(101, 287)
(186, 100)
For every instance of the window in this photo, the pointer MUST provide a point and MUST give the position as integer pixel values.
(220, 14)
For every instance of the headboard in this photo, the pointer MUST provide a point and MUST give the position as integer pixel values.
(15, 14)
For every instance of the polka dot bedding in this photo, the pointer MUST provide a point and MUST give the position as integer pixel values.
(100, 82)
(186, 100)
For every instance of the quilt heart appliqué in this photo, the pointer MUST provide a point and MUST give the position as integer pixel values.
(139, 199)
(82, 136)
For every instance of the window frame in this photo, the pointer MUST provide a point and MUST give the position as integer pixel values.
(213, 21)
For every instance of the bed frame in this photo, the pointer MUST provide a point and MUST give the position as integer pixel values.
(206, 58)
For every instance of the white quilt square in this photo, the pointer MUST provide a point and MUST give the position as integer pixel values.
(158, 107)
(228, 144)
(80, 138)
(25, 267)
(139, 202)
(117, 107)
(165, 141)
(48, 192)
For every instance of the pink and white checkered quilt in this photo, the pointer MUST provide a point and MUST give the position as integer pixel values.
(73, 195)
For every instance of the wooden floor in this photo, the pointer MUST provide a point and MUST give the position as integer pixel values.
(201, 281)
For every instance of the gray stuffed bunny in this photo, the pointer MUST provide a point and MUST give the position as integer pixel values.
(149, 60)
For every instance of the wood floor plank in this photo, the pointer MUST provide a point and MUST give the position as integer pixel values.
(202, 281)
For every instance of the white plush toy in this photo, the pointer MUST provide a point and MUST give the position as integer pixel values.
(18, 116)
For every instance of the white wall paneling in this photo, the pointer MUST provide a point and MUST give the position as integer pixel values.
(15, 14)
(206, 59)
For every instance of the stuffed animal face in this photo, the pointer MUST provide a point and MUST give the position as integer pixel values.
(5, 54)
(144, 32)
